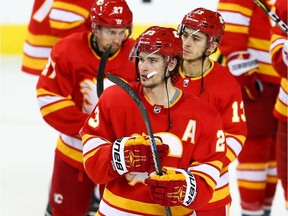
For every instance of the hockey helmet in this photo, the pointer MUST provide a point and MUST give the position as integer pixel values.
(160, 40)
(209, 22)
(111, 13)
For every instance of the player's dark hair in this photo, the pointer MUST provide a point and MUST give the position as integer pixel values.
(174, 74)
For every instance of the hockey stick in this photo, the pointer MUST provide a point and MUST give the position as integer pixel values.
(273, 16)
(118, 81)
(101, 71)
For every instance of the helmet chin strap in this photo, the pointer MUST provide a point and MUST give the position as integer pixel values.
(166, 77)
(204, 56)
(168, 99)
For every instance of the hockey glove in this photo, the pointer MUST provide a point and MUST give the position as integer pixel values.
(174, 188)
(133, 154)
(251, 84)
(244, 67)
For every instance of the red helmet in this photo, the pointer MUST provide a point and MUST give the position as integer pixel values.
(111, 13)
(161, 40)
(209, 22)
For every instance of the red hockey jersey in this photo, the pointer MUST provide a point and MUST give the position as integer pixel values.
(222, 91)
(51, 20)
(239, 16)
(196, 143)
(277, 42)
(68, 16)
(66, 89)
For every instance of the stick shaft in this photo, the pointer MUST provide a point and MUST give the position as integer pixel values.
(101, 71)
(272, 15)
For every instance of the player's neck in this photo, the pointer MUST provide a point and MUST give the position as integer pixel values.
(194, 68)
(158, 95)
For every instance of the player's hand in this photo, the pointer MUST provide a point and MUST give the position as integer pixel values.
(133, 154)
(244, 67)
(251, 83)
(174, 188)
(285, 52)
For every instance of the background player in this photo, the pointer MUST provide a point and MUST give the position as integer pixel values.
(201, 31)
(279, 54)
(50, 21)
(66, 93)
(245, 46)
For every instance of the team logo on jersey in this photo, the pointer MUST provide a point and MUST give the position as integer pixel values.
(58, 198)
(185, 82)
(157, 109)
(136, 177)
(90, 98)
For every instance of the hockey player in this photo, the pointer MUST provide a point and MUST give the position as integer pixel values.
(245, 46)
(279, 54)
(66, 93)
(201, 31)
(115, 138)
(51, 20)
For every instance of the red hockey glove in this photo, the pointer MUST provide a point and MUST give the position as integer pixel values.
(133, 154)
(251, 84)
(244, 67)
(174, 188)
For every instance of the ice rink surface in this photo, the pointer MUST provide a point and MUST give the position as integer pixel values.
(27, 147)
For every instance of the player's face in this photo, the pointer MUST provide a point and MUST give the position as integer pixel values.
(110, 36)
(194, 44)
(149, 63)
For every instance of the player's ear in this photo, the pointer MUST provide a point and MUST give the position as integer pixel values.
(212, 47)
(172, 64)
